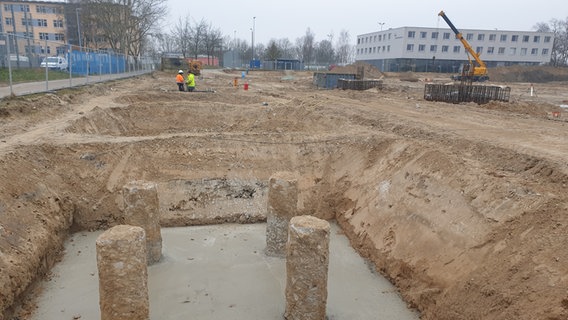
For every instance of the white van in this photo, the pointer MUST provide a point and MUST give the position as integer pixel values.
(57, 63)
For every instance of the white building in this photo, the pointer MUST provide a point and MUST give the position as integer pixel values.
(435, 49)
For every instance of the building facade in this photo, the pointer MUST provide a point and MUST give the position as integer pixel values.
(421, 49)
(35, 28)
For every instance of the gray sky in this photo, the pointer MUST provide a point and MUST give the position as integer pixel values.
(290, 18)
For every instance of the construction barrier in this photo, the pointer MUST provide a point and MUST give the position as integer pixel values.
(456, 93)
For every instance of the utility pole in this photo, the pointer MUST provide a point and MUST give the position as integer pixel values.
(253, 27)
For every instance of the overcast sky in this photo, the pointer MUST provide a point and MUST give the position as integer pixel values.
(290, 18)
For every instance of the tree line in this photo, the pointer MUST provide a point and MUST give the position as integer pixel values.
(191, 38)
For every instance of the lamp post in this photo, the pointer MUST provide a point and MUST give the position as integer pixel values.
(79, 27)
(381, 24)
(234, 46)
(252, 39)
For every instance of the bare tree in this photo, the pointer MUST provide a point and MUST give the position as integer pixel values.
(124, 24)
(344, 48)
(213, 39)
(324, 52)
(181, 35)
(305, 47)
(272, 52)
(286, 48)
(559, 28)
(197, 38)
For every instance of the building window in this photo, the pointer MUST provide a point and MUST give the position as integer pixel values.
(492, 37)
(512, 51)
(501, 50)
(58, 23)
(479, 50)
(445, 48)
(411, 34)
(523, 51)
(421, 47)
(388, 48)
(547, 39)
(9, 21)
(433, 48)
(423, 34)
(514, 38)
(503, 38)
(27, 22)
(8, 7)
(43, 36)
(435, 35)
(25, 7)
(490, 50)
(446, 35)
(481, 37)
(457, 49)
(375, 38)
(60, 37)
(544, 52)
(536, 39)
(526, 38)
(409, 47)
(534, 51)
(469, 36)
(41, 22)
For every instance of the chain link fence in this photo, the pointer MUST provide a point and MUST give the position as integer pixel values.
(29, 65)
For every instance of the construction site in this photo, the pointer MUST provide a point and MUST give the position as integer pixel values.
(461, 206)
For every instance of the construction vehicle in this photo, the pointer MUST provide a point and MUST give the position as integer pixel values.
(472, 71)
(195, 66)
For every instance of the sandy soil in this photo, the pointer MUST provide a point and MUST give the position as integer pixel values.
(463, 207)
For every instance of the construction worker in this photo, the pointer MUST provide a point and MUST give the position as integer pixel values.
(179, 81)
(190, 81)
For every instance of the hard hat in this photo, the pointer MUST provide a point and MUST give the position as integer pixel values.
(181, 71)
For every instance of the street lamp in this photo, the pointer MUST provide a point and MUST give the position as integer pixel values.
(78, 26)
(381, 24)
(252, 40)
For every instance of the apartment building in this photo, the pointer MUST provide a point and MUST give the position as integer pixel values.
(36, 27)
(438, 50)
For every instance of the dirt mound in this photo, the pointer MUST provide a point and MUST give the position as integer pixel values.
(536, 74)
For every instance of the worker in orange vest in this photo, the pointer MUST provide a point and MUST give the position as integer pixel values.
(179, 81)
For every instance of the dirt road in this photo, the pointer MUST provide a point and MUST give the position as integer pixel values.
(463, 207)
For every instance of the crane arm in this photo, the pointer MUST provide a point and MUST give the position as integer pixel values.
(466, 45)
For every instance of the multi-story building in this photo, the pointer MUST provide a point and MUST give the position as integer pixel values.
(433, 49)
(36, 27)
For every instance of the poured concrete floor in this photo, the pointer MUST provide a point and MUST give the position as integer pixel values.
(220, 272)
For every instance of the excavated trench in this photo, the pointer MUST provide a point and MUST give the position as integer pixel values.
(425, 210)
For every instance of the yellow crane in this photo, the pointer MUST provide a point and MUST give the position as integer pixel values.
(472, 71)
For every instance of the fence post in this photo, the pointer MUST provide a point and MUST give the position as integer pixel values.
(46, 67)
(9, 62)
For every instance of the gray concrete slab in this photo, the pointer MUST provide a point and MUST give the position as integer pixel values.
(220, 272)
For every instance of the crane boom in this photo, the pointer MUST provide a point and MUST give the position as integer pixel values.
(479, 72)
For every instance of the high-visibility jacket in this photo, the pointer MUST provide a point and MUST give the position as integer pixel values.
(190, 80)
(179, 78)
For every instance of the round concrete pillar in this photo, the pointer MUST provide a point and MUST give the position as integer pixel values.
(142, 209)
(307, 263)
(123, 275)
(282, 206)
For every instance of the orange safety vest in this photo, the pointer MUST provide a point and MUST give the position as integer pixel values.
(179, 78)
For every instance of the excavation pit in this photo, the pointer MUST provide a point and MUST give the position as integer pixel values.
(461, 211)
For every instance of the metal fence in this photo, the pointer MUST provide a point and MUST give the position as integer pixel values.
(78, 65)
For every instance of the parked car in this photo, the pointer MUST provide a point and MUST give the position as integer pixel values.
(56, 63)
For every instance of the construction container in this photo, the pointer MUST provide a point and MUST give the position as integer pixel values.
(329, 80)
(347, 84)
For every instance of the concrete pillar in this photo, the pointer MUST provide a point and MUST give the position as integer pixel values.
(142, 209)
(123, 275)
(282, 206)
(307, 261)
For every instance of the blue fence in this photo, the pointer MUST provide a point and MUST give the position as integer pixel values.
(96, 63)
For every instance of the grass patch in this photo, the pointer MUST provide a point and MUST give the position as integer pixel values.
(30, 75)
